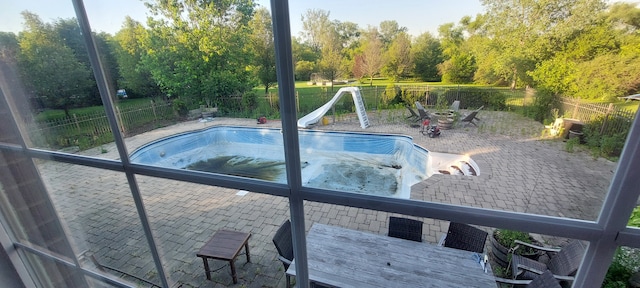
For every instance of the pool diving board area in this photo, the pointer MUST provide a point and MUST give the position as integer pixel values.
(368, 163)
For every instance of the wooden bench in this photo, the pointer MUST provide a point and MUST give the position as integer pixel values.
(225, 245)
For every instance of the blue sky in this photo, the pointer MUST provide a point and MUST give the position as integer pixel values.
(108, 16)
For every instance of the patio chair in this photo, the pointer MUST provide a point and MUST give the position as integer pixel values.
(284, 245)
(423, 112)
(464, 237)
(455, 106)
(563, 265)
(414, 116)
(471, 117)
(405, 228)
(544, 280)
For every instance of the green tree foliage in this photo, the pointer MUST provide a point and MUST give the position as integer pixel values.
(525, 32)
(199, 49)
(50, 68)
(9, 46)
(398, 58)
(389, 30)
(427, 54)
(128, 51)
(600, 62)
(263, 48)
(304, 69)
(459, 64)
(304, 58)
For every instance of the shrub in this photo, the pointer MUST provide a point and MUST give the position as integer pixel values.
(546, 101)
(250, 100)
(180, 107)
(392, 94)
(610, 143)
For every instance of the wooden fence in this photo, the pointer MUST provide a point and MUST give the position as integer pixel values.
(613, 120)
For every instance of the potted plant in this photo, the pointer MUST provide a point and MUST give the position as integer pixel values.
(445, 117)
(503, 240)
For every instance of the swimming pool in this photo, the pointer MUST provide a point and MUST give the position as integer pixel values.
(377, 164)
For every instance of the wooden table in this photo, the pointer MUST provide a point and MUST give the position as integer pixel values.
(225, 245)
(348, 258)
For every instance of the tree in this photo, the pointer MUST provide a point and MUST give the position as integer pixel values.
(315, 23)
(370, 60)
(330, 64)
(398, 57)
(389, 30)
(199, 49)
(262, 45)
(9, 47)
(128, 51)
(427, 54)
(525, 32)
(50, 68)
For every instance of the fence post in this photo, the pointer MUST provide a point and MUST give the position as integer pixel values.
(75, 120)
(153, 107)
(606, 118)
(376, 98)
(576, 104)
(122, 129)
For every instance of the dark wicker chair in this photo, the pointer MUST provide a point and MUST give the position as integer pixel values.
(464, 237)
(544, 280)
(284, 245)
(563, 265)
(405, 228)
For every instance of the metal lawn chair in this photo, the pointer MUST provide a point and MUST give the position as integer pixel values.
(414, 116)
(471, 117)
(423, 112)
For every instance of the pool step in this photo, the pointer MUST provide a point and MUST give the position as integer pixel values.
(461, 168)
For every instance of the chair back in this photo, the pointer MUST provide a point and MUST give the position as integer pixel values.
(470, 116)
(544, 280)
(455, 106)
(566, 262)
(423, 112)
(465, 237)
(284, 241)
(405, 228)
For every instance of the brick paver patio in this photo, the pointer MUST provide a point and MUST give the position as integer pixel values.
(519, 172)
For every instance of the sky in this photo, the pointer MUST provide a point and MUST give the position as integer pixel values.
(107, 16)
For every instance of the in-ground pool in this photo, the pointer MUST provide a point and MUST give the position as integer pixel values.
(377, 164)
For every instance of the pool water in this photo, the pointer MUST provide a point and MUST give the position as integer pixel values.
(376, 164)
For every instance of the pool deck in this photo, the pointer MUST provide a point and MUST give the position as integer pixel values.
(519, 172)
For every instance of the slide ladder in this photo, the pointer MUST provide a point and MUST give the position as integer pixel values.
(315, 116)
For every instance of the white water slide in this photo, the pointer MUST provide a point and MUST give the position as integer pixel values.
(316, 115)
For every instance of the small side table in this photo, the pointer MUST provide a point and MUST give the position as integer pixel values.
(225, 245)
